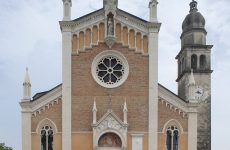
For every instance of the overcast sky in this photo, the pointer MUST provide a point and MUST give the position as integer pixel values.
(30, 37)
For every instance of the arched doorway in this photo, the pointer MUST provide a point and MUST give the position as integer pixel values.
(109, 141)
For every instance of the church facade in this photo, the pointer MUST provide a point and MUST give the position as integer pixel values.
(110, 98)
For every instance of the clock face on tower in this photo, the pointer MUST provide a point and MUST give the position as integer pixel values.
(110, 69)
(199, 92)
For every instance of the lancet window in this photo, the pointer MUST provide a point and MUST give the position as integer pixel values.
(172, 138)
(47, 138)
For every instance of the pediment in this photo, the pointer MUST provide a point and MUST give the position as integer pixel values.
(110, 121)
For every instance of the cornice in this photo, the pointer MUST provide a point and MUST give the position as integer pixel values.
(137, 23)
(83, 22)
(188, 47)
(194, 71)
(175, 103)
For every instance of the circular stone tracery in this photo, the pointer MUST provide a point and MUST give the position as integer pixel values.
(110, 69)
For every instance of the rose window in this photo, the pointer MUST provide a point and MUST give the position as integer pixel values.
(110, 69)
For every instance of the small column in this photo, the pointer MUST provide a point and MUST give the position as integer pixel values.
(94, 110)
(67, 4)
(125, 111)
(153, 11)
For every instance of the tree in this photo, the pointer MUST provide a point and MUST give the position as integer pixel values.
(4, 147)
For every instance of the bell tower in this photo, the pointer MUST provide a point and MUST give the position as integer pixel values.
(195, 58)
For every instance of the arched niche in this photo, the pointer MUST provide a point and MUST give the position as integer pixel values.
(110, 140)
(203, 62)
(125, 36)
(101, 32)
(75, 43)
(118, 32)
(145, 44)
(138, 41)
(81, 40)
(132, 38)
(88, 38)
(95, 35)
(194, 61)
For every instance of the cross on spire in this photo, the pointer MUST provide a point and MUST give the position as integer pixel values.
(193, 6)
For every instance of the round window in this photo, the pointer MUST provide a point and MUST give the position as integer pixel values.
(110, 69)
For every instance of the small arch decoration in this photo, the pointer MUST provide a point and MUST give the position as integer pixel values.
(203, 62)
(194, 61)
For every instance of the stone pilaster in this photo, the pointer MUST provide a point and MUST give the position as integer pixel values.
(153, 89)
(66, 88)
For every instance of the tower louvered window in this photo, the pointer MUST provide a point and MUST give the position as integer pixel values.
(172, 139)
(46, 138)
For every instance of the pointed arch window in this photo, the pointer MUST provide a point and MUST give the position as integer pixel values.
(172, 139)
(47, 138)
(194, 62)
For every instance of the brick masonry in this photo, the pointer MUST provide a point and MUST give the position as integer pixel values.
(85, 88)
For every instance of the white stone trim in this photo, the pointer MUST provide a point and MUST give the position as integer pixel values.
(66, 89)
(115, 54)
(153, 90)
(173, 122)
(26, 130)
(192, 131)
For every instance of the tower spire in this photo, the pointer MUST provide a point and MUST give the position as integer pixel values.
(191, 78)
(26, 87)
(191, 88)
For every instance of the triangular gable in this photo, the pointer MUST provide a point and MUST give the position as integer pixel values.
(109, 116)
(110, 121)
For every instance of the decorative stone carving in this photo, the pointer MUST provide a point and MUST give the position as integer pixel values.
(110, 41)
(110, 26)
(110, 38)
(109, 123)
